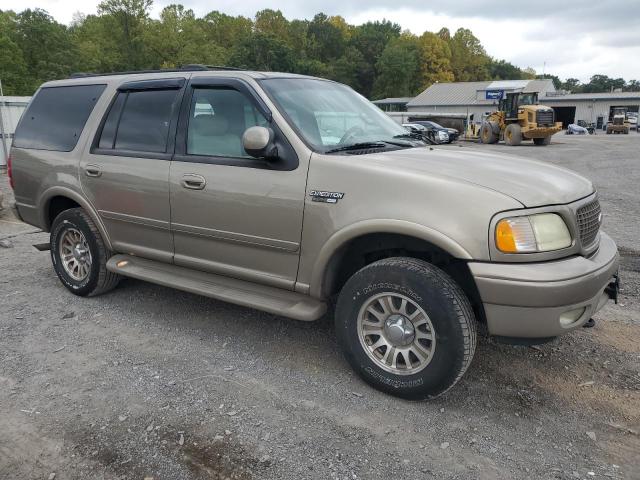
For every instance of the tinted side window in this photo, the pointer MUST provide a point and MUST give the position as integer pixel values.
(144, 123)
(217, 120)
(56, 116)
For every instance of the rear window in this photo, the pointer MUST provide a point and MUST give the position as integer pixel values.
(56, 116)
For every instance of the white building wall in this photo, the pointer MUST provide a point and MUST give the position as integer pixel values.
(11, 109)
(588, 110)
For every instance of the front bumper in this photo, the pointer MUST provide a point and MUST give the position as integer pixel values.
(527, 300)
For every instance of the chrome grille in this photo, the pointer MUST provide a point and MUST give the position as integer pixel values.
(544, 117)
(589, 222)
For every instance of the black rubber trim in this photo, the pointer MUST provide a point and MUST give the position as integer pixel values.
(161, 84)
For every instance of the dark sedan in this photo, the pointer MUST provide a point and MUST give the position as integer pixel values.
(453, 133)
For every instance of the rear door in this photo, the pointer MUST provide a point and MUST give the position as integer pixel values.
(230, 213)
(126, 174)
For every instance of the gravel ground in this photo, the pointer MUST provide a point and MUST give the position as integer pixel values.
(151, 382)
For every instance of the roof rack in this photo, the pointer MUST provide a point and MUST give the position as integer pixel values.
(192, 67)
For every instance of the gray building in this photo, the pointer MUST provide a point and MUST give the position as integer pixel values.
(473, 98)
(11, 109)
(478, 98)
(397, 104)
(590, 107)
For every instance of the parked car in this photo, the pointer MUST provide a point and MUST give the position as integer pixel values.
(429, 135)
(575, 129)
(284, 192)
(452, 133)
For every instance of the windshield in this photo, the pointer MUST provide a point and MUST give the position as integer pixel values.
(330, 115)
(528, 98)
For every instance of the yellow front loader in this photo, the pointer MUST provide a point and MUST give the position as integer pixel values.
(520, 118)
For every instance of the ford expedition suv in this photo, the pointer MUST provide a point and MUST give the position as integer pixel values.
(284, 193)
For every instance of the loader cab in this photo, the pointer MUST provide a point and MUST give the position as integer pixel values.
(513, 101)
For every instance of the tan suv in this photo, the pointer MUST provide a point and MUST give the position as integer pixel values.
(282, 192)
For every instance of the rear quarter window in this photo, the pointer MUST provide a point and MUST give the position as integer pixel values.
(56, 117)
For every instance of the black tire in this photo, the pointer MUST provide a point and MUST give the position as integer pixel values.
(487, 133)
(513, 135)
(99, 280)
(542, 141)
(439, 297)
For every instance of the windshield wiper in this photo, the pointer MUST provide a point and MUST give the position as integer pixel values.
(358, 146)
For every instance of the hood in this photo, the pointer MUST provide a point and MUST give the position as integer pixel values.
(530, 182)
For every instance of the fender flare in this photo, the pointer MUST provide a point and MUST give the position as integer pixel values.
(58, 191)
(358, 229)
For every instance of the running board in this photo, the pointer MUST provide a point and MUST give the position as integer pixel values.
(269, 299)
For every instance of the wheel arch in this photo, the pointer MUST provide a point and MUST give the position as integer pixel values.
(350, 249)
(57, 199)
(378, 235)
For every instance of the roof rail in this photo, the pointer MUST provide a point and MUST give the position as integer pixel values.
(192, 67)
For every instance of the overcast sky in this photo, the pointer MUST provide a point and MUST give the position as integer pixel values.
(564, 37)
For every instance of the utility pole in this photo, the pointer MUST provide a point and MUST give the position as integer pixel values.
(5, 153)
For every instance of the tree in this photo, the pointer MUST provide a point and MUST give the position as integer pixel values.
(349, 69)
(126, 21)
(436, 60)
(46, 48)
(371, 39)
(13, 69)
(263, 51)
(632, 86)
(503, 70)
(602, 83)
(226, 31)
(177, 39)
(571, 85)
(403, 54)
(469, 60)
(327, 36)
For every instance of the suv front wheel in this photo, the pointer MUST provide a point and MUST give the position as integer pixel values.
(406, 327)
(79, 254)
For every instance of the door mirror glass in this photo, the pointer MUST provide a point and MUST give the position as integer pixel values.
(258, 142)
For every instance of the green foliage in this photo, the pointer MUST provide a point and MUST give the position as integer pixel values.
(402, 54)
(503, 70)
(469, 60)
(375, 58)
(600, 83)
(436, 60)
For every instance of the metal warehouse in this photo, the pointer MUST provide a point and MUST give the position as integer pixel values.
(11, 109)
(474, 99)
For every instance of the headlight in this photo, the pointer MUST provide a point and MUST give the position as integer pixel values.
(542, 232)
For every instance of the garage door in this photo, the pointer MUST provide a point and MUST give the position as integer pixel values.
(566, 115)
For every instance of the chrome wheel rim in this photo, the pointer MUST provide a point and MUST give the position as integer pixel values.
(75, 254)
(396, 333)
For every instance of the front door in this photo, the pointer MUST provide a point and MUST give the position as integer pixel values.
(125, 176)
(232, 214)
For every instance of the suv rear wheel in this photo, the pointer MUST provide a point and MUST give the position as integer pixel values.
(406, 327)
(79, 254)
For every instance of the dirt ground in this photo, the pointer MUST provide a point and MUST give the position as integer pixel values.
(151, 382)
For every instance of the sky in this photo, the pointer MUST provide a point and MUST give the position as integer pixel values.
(561, 37)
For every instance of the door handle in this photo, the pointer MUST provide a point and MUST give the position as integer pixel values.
(193, 181)
(92, 170)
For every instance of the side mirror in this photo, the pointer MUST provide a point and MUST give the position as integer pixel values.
(259, 142)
